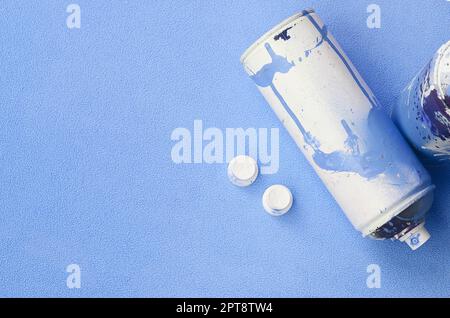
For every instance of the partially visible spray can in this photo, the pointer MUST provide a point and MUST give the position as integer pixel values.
(336, 122)
(423, 110)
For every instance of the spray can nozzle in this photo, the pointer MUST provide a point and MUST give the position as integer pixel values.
(416, 237)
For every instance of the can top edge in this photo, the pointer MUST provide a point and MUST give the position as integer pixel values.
(442, 51)
(273, 31)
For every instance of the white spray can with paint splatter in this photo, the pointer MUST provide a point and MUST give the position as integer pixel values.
(423, 110)
(337, 123)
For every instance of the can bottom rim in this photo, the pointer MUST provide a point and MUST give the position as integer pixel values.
(394, 211)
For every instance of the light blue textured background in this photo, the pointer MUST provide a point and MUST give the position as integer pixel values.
(86, 174)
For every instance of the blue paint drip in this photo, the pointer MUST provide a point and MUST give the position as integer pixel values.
(368, 164)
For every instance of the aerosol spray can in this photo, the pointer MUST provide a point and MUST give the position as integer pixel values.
(336, 122)
(423, 110)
